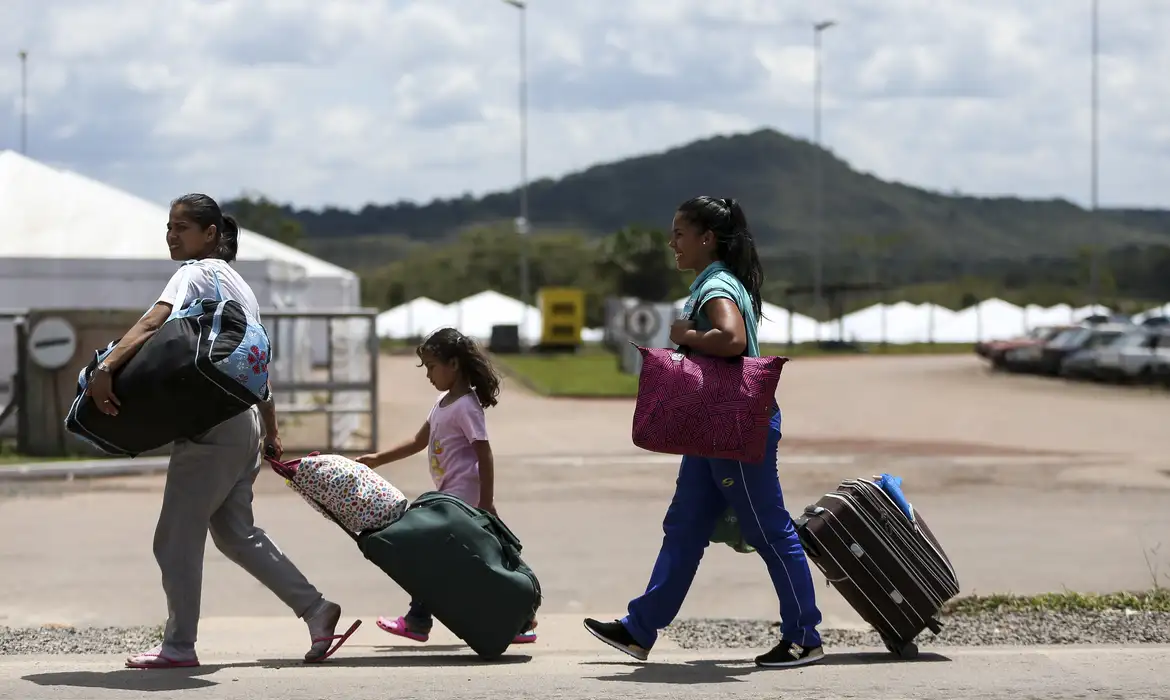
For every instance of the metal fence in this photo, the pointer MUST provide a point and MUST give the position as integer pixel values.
(330, 408)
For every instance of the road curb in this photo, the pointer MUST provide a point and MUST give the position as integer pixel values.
(83, 468)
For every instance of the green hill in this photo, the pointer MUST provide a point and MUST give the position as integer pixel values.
(773, 175)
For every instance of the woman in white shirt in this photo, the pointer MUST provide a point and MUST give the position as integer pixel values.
(210, 476)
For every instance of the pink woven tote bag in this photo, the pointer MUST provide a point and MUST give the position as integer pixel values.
(712, 407)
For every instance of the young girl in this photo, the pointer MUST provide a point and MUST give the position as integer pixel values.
(455, 438)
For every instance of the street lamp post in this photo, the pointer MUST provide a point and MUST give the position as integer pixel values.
(522, 223)
(1095, 227)
(23, 102)
(818, 264)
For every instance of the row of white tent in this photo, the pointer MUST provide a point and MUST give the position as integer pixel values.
(900, 323)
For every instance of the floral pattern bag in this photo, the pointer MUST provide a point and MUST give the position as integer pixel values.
(347, 492)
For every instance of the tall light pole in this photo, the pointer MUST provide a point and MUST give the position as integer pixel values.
(1094, 227)
(522, 224)
(23, 102)
(818, 264)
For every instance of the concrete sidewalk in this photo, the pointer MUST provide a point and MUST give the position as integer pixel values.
(259, 657)
(438, 672)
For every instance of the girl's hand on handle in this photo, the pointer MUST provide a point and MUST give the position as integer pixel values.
(370, 460)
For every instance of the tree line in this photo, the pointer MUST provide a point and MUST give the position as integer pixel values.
(635, 261)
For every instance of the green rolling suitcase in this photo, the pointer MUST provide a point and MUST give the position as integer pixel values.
(463, 564)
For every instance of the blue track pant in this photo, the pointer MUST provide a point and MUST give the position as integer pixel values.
(704, 489)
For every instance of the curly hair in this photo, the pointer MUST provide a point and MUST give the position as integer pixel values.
(448, 344)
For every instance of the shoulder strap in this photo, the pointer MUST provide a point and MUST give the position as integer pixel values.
(218, 289)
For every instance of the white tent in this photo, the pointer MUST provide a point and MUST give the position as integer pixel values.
(1084, 312)
(1037, 316)
(67, 241)
(776, 326)
(991, 319)
(475, 316)
(1156, 312)
(902, 322)
(416, 318)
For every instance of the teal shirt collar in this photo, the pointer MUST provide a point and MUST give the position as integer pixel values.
(702, 277)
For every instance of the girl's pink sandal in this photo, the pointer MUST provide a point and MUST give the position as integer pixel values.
(399, 629)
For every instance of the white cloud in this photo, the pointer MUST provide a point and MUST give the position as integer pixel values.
(355, 101)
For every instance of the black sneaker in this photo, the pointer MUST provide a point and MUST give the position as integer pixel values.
(787, 654)
(617, 636)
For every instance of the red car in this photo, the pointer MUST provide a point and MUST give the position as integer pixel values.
(994, 350)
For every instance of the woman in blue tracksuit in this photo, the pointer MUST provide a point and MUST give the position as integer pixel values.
(711, 237)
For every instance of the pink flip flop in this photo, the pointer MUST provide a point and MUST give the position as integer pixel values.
(398, 628)
(525, 637)
(341, 639)
(154, 659)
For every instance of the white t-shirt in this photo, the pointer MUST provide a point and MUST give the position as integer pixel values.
(197, 281)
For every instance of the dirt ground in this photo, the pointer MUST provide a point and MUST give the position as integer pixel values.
(1030, 485)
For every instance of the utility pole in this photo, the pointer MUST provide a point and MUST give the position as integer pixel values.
(818, 265)
(23, 102)
(523, 226)
(1095, 224)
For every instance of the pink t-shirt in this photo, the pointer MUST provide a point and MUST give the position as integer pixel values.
(454, 465)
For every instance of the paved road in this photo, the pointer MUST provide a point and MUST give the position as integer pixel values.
(568, 664)
(996, 674)
(1032, 485)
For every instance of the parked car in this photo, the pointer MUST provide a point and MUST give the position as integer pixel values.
(1081, 364)
(994, 351)
(1134, 357)
(1048, 358)
(1161, 371)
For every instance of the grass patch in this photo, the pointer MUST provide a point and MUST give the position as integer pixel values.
(595, 372)
(588, 373)
(9, 455)
(1153, 600)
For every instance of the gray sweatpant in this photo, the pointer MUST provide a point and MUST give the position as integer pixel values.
(209, 487)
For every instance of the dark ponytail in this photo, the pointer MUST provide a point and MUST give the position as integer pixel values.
(205, 211)
(229, 240)
(734, 245)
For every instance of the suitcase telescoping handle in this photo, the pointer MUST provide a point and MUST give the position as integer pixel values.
(288, 470)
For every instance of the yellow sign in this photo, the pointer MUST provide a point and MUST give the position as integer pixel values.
(562, 311)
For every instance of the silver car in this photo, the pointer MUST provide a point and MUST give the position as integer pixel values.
(1139, 356)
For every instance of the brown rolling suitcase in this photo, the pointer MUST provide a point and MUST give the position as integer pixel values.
(889, 567)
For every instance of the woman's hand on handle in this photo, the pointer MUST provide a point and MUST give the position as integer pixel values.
(680, 331)
(101, 384)
(101, 390)
(272, 447)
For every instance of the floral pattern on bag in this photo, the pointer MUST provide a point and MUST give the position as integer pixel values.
(356, 495)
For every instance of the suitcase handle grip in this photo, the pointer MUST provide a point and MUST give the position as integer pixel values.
(492, 522)
(805, 540)
(508, 540)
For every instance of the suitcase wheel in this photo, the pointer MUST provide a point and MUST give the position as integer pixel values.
(906, 652)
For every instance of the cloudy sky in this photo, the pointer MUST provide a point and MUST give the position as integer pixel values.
(347, 102)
